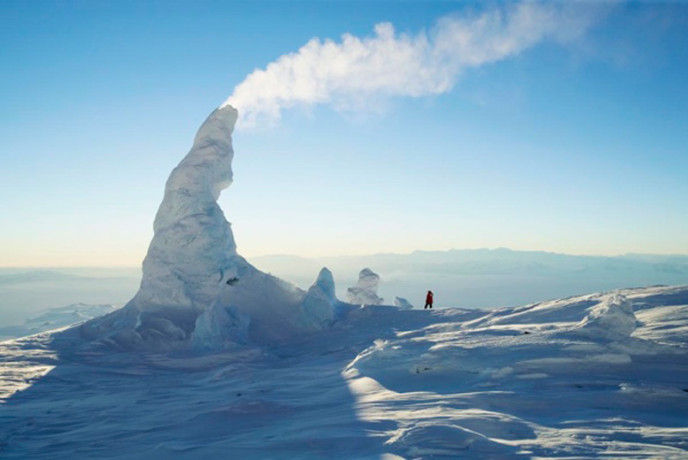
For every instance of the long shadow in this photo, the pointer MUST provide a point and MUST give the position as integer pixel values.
(290, 401)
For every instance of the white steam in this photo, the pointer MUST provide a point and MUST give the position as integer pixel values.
(347, 74)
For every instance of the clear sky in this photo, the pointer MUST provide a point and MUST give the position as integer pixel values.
(577, 147)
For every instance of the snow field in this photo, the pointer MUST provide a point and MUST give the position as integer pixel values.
(544, 380)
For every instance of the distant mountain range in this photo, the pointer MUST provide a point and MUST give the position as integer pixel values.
(486, 277)
(474, 278)
(491, 261)
(55, 318)
(26, 292)
(33, 276)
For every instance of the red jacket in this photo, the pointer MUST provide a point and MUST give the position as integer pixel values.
(428, 298)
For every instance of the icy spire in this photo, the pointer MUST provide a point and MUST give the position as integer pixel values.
(365, 291)
(196, 290)
(193, 247)
(320, 300)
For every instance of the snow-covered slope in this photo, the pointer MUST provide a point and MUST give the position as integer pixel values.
(595, 375)
(54, 318)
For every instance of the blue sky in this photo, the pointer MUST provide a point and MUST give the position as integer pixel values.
(579, 147)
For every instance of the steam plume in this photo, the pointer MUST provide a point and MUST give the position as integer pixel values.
(347, 73)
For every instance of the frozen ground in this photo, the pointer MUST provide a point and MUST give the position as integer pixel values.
(595, 375)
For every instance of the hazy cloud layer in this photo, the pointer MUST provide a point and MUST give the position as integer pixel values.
(347, 73)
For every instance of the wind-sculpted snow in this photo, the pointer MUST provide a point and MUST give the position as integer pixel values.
(613, 318)
(196, 290)
(550, 381)
(544, 380)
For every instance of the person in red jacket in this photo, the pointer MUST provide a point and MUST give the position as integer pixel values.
(428, 300)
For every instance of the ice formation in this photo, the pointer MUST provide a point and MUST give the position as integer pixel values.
(365, 291)
(402, 303)
(320, 301)
(220, 327)
(193, 253)
(195, 288)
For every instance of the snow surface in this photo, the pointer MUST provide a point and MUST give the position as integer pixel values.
(365, 291)
(595, 375)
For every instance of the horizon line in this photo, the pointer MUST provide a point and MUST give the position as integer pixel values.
(342, 256)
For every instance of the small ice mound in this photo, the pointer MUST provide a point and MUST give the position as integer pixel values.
(320, 301)
(402, 303)
(431, 438)
(365, 291)
(220, 327)
(611, 319)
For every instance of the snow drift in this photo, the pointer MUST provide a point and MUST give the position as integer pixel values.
(613, 318)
